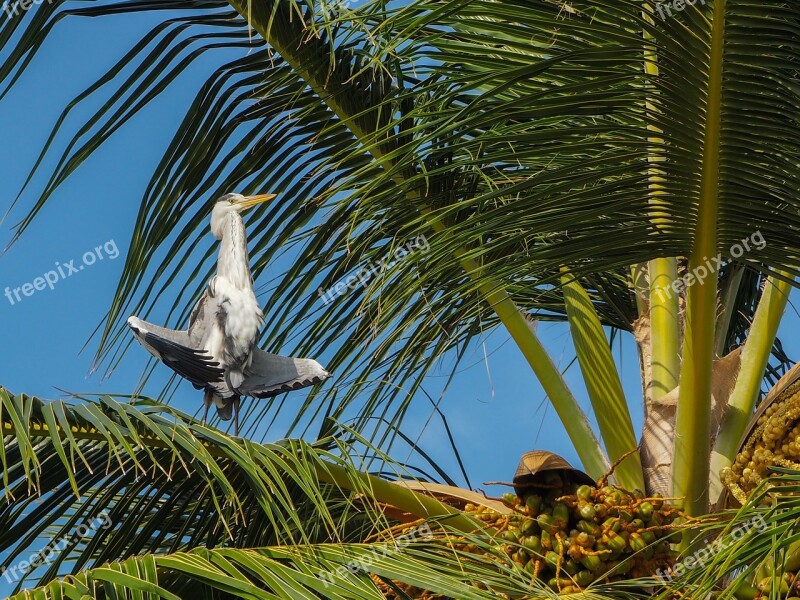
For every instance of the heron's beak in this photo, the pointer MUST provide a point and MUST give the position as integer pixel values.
(258, 199)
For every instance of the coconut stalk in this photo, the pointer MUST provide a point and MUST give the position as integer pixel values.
(691, 460)
(664, 315)
(665, 327)
(728, 301)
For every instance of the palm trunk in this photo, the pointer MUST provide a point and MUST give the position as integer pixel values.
(658, 435)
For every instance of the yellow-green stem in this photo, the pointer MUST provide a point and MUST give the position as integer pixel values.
(664, 327)
(755, 356)
(692, 449)
(728, 300)
(548, 374)
(602, 383)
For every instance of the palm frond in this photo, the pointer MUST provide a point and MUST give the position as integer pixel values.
(416, 567)
(166, 484)
(758, 540)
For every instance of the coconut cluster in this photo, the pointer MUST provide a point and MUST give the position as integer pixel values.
(774, 439)
(572, 540)
(786, 586)
(568, 536)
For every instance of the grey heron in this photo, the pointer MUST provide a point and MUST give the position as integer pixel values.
(218, 351)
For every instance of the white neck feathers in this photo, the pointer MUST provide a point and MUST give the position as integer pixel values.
(233, 262)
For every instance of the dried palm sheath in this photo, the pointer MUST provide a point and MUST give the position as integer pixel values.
(658, 434)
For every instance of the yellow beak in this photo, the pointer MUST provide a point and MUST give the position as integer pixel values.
(258, 199)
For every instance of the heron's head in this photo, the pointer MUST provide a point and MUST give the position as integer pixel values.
(232, 204)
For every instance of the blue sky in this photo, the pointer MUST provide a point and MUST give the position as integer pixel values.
(495, 407)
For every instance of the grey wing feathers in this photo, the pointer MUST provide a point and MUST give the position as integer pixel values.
(179, 351)
(202, 313)
(270, 374)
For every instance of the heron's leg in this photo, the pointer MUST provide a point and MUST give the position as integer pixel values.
(208, 398)
(236, 415)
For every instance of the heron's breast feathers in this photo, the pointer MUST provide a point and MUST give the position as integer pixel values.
(235, 325)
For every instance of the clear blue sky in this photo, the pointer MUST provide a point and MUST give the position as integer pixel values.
(495, 407)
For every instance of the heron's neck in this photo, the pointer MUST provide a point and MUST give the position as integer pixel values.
(233, 263)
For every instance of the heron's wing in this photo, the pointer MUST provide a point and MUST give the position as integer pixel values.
(202, 315)
(179, 351)
(270, 374)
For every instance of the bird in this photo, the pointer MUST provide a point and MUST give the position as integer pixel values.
(218, 353)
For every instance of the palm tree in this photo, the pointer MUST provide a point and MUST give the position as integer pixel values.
(625, 165)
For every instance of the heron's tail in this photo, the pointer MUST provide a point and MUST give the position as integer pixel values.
(224, 407)
(225, 393)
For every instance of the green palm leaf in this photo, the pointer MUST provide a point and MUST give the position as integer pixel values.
(166, 484)
(758, 540)
(337, 572)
